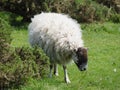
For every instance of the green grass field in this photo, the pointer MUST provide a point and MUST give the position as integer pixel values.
(103, 42)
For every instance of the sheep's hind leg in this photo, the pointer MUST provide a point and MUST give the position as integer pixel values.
(56, 70)
(51, 67)
(66, 74)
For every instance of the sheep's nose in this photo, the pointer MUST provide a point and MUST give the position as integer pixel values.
(84, 69)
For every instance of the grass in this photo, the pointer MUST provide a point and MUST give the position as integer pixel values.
(103, 42)
(20, 38)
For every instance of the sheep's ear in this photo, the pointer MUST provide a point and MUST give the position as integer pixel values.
(75, 50)
(80, 49)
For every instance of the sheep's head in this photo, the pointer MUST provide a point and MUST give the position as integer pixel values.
(80, 58)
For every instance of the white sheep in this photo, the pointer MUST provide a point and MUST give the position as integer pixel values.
(60, 38)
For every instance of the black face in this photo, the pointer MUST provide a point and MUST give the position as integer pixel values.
(82, 59)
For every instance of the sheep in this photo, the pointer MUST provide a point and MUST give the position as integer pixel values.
(60, 37)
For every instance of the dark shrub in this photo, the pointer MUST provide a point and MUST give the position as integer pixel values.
(115, 4)
(5, 39)
(17, 65)
(115, 18)
(82, 10)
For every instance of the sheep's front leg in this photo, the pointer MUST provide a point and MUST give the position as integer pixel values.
(66, 74)
(51, 67)
(56, 69)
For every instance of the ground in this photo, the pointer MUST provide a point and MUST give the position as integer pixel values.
(103, 42)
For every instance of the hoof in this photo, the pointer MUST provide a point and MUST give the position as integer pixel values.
(67, 81)
(56, 74)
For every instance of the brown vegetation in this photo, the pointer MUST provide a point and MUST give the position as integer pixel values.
(87, 11)
(17, 65)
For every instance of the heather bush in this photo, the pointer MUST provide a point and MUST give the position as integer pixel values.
(114, 4)
(24, 63)
(115, 18)
(17, 65)
(82, 10)
(5, 40)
